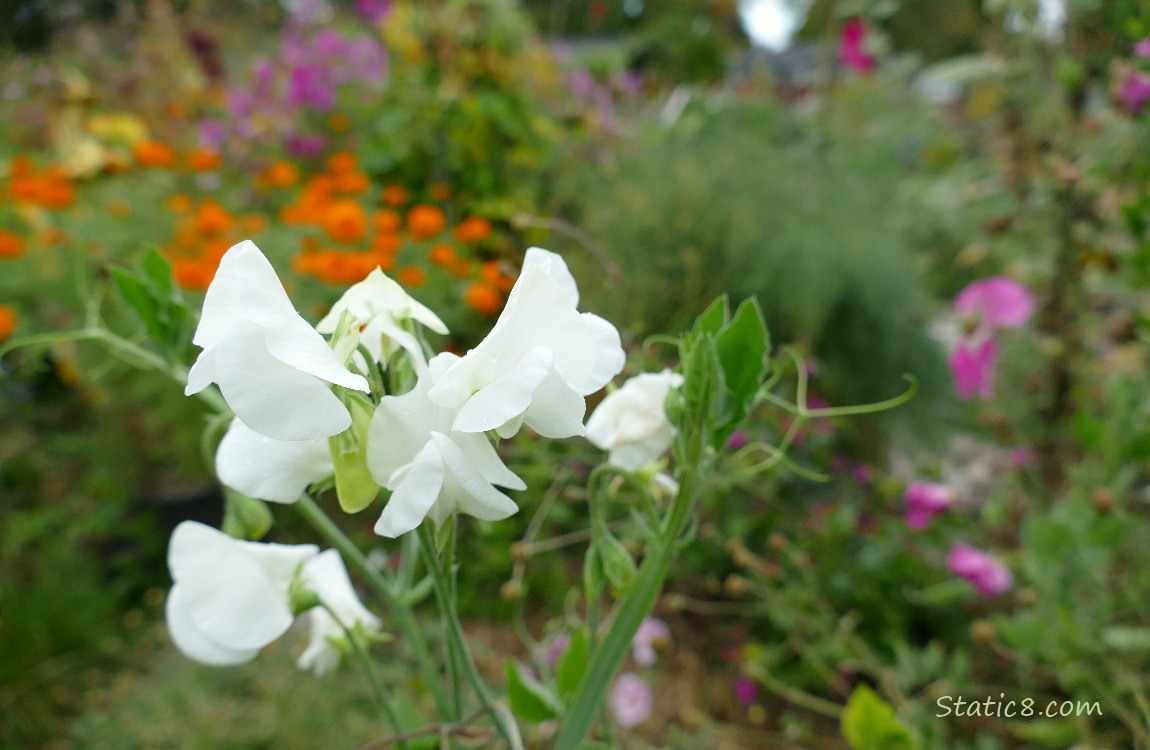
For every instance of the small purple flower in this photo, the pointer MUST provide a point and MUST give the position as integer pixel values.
(630, 700)
(375, 11)
(973, 369)
(997, 302)
(738, 439)
(556, 647)
(582, 83)
(852, 47)
(652, 632)
(746, 691)
(1135, 91)
(1021, 457)
(924, 501)
(309, 85)
(305, 146)
(986, 574)
(213, 133)
(862, 474)
(1142, 48)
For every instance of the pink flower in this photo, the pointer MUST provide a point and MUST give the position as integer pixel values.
(852, 47)
(652, 632)
(1135, 91)
(924, 501)
(373, 10)
(746, 691)
(997, 302)
(738, 439)
(1021, 457)
(1142, 48)
(630, 700)
(973, 369)
(983, 572)
(556, 647)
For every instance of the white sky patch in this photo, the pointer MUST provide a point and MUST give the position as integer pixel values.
(772, 23)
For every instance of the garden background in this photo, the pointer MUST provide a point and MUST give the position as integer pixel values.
(988, 539)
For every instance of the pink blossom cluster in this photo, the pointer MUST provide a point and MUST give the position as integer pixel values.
(985, 307)
(1134, 87)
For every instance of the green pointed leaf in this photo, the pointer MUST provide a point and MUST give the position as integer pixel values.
(869, 723)
(593, 581)
(530, 700)
(618, 565)
(142, 300)
(742, 347)
(573, 663)
(158, 271)
(245, 517)
(714, 317)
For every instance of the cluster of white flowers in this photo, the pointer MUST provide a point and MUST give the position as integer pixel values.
(431, 447)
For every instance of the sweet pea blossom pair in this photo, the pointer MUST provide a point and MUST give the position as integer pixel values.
(986, 307)
(298, 405)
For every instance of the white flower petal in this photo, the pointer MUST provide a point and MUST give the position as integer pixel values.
(274, 398)
(470, 492)
(245, 287)
(321, 656)
(203, 372)
(557, 269)
(270, 469)
(610, 359)
(506, 397)
(414, 495)
(326, 576)
(482, 454)
(557, 410)
(193, 643)
(305, 350)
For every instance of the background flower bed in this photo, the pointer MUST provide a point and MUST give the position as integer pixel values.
(855, 224)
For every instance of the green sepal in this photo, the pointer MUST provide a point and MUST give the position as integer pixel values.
(354, 485)
(245, 517)
(618, 565)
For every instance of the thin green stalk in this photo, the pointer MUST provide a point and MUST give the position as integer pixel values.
(455, 635)
(400, 612)
(369, 672)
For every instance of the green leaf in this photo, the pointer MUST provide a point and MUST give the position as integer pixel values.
(142, 300)
(869, 723)
(245, 517)
(354, 485)
(530, 700)
(592, 574)
(159, 272)
(742, 347)
(618, 565)
(573, 663)
(714, 317)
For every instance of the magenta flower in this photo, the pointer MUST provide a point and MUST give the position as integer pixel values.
(652, 632)
(924, 501)
(983, 572)
(973, 369)
(852, 47)
(630, 700)
(746, 691)
(1135, 91)
(997, 302)
(374, 11)
(738, 439)
(1142, 48)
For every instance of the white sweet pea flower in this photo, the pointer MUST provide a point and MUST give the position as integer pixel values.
(632, 424)
(431, 469)
(230, 597)
(272, 367)
(381, 305)
(539, 361)
(326, 577)
(270, 469)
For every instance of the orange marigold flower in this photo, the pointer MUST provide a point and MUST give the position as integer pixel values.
(204, 160)
(8, 321)
(442, 255)
(483, 298)
(254, 223)
(395, 195)
(490, 272)
(193, 274)
(213, 219)
(338, 123)
(387, 244)
(21, 166)
(440, 191)
(280, 174)
(461, 269)
(11, 245)
(352, 183)
(179, 203)
(388, 222)
(154, 154)
(411, 276)
(119, 209)
(345, 221)
(472, 229)
(342, 161)
(425, 222)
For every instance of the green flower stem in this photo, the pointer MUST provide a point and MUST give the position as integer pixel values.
(369, 672)
(400, 612)
(455, 635)
(639, 601)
